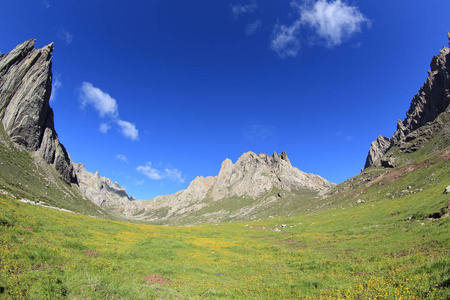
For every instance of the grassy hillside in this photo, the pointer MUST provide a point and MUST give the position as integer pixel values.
(277, 202)
(25, 175)
(394, 245)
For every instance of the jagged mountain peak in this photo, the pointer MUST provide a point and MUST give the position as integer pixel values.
(25, 88)
(265, 158)
(421, 121)
(26, 115)
(252, 177)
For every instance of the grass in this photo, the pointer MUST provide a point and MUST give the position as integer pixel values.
(29, 177)
(239, 208)
(394, 245)
(371, 250)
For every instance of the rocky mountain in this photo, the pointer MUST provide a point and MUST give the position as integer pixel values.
(252, 177)
(101, 190)
(25, 87)
(425, 117)
(27, 118)
(255, 180)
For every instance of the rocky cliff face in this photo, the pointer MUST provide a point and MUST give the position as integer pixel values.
(101, 190)
(256, 174)
(252, 176)
(421, 121)
(25, 87)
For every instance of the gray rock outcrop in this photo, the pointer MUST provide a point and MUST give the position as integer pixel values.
(256, 174)
(25, 87)
(377, 149)
(421, 122)
(26, 115)
(252, 176)
(101, 190)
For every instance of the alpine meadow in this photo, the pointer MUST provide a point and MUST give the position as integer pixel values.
(260, 228)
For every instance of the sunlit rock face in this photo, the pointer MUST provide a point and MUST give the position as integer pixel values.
(25, 88)
(421, 121)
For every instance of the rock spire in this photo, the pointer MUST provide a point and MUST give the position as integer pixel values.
(25, 87)
(432, 99)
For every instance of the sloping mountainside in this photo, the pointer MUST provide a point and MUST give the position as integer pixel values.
(427, 116)
(34, 163)
(256, 186)
(415, 161)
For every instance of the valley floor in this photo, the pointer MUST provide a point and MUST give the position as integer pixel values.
(379, 249)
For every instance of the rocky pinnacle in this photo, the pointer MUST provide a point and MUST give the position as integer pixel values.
(432, 99)
(25, 87)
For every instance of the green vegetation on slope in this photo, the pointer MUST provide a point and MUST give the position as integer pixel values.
(277, 202)
(28, 177)
(382, 249)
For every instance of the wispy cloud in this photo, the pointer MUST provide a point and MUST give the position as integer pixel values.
(102, 102)
(104, 127)
(344, 136)
(56, 85)
(122, 158)
(140, 182)
(332, 22)
(66, 36)
(237, 10)
(155, 174)
(106, 106)
(285, 39)
(46, 4)
(257, 131)
(128, 130)
(251, 28)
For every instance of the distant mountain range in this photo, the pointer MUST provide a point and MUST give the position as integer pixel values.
(256, 186)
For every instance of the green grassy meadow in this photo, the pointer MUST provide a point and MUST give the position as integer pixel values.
(393, 245)
(385, 248)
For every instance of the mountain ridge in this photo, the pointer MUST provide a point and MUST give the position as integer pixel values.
(27, 118)
(412, 133)
(254, 183)
(250, 179)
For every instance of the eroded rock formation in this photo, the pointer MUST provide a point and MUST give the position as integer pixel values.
(421, 121)
(252, 176)
(25, 87)
(26, 115)
(101, 190)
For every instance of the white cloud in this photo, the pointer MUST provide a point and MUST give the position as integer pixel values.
(333, 21)
(104, 127)
(122, 158)
(65, 36)
(56, 85)
(102, 102)
(251, 28)
(106, 107)
(150, 172)
(285, 39)
(46, 4)
(128, 130)
(140, 182)
(155, 174)
(174, 175)
(238, 10)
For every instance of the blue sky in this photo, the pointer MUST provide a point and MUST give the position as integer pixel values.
(154, 93)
